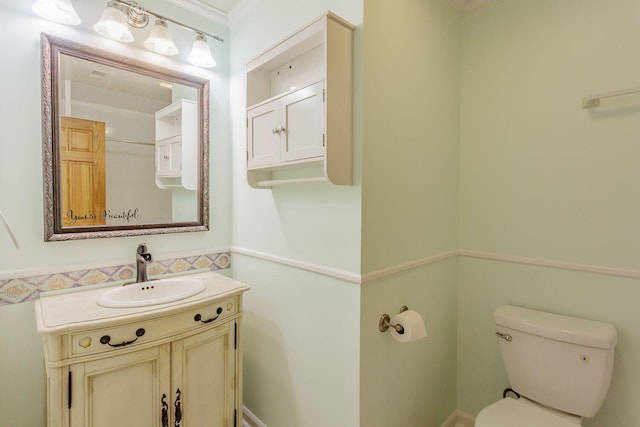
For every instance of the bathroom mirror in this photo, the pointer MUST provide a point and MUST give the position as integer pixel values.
(125, 145)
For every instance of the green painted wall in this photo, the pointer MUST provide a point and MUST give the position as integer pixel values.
(411, 121)
(409, 207)
(300, 346)
(409, 384)
(469, 134)
(21, 368)
(541, 177)
(301, 354)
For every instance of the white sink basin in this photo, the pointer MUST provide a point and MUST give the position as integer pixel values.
(151, 293)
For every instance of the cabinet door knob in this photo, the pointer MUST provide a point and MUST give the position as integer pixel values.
(275, 130)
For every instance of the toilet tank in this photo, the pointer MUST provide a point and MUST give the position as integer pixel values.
(558, 361)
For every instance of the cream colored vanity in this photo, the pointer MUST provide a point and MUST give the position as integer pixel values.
(171, 364)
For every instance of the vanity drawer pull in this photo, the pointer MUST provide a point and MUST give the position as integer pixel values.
(106, 339)
(198, 317)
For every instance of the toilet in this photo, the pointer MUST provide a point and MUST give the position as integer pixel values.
(560, 367)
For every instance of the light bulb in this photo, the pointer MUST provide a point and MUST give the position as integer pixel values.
(201, 53)
(160, 40)
(113, 24)
(60, 11)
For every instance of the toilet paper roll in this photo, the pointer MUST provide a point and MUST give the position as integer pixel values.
(413, 325)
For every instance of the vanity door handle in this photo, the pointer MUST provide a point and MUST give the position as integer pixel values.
(165, 411)
(106, 339)
(178, 410)
(198, 317)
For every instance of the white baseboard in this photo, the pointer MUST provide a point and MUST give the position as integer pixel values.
(250, 420)
(459, 419)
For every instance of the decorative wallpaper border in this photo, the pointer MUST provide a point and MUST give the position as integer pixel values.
(22, 289)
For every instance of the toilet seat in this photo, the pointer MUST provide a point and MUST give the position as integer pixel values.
(523, 413)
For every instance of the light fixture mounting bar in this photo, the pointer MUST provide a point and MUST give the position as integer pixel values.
(186, 27)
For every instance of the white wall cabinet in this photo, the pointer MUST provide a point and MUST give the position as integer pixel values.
(177, 145)
(299, 114)
(287, 129)
(177, 366)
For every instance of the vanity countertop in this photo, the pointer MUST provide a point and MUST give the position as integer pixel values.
(64, 313)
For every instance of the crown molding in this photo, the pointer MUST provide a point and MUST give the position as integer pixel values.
(213, 13)
(202, 9)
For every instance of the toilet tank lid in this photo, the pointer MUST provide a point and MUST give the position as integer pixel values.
(573, 330)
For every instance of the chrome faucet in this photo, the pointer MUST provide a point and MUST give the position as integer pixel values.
(142, 259)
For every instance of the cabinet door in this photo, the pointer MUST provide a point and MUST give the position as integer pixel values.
(175, 157)
(163, 156)
(129, 390)
(203, 375)
(169, 157)
(263, 135)
(303, 121)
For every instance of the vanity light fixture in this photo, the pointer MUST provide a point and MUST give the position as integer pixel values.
(113, 24)
(137, 17)
(161, 40)
(201, 53)
(120, 15)
(60, 11)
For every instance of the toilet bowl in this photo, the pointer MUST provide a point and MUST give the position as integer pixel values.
(522, 412)
(560, 366)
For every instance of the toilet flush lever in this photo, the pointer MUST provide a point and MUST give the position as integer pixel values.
(505, 337)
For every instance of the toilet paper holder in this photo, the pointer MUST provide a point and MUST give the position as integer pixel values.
(385, 322)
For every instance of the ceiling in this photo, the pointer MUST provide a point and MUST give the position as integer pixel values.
(220, 10)
(224, 5)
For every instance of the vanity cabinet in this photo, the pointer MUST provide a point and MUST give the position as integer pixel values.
(175, 365)
(177, 145)
(299, 107)
(132, 385)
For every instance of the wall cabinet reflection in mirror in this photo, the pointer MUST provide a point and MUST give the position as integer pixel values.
(125, 145)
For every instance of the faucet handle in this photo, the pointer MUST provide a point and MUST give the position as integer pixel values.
(142, 248)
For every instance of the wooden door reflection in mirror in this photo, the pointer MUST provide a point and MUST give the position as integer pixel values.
(82, 178)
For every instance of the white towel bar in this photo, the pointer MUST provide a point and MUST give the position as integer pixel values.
(6, 225)
(594, 100)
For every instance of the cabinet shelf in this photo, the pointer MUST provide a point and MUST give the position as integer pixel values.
(274, 182)
(299, 94)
